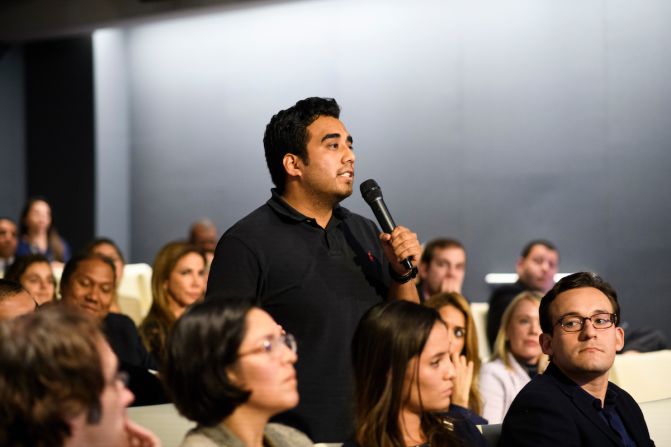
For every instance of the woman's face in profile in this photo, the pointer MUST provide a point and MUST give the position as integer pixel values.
(456, 327)
(431, 374)
(265, 366)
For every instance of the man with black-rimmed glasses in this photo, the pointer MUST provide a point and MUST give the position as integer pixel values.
(572, 403)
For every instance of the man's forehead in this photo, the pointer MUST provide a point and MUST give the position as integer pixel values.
(94, 268)
(325, 125)
(540, 249)
(449, 252)
(582, 300)
(6, 223)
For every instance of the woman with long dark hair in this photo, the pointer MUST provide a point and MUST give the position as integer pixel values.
(37, 233)
(404, 380)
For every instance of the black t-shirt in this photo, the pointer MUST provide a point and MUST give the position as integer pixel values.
(316, 283)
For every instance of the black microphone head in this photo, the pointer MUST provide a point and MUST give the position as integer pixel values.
(370, 190)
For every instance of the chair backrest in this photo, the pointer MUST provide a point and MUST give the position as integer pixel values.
(645, 376)
(657, 414)
(135, 285)
(491, 433)
(479, 311)
(164, 421)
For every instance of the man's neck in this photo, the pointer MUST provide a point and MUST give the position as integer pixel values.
(309, 205)
(595, 384)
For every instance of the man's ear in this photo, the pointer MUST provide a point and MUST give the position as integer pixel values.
(619, 338)
(546, 343)
(234, 376)
(518, 266)
(292, 165)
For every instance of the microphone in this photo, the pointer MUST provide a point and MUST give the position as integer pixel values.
(372, 194)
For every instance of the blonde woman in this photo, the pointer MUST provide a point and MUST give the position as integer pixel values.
(456, 313)
(517, 356)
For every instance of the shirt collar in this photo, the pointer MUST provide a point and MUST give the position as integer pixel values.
(280, 206)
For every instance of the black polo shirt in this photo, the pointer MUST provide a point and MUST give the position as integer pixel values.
(316, 283)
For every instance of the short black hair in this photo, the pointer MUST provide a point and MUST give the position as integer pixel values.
(435, 244)
(531, 244)
(287, 133)
(203, 345)
(576, 281)
(72, 265)
(9, 288)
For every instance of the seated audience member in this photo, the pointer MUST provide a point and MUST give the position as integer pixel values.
(404, 380)
(60, 385)
(37, 233)
(229, 367)
(35, 274)
(441, 268)
(106, 247)
(8, 242)
(516, 358)
(536, 268)
(572, 402)
(14, 300)
(178, 281)
(456, 313)
(87, 284)
(203, 235)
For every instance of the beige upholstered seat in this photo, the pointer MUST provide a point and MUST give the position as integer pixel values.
(645, 376)
(164, 421)
(479, 311)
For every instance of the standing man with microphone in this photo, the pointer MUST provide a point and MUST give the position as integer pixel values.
(313, 265)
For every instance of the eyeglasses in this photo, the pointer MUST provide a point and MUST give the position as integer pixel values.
(575, 323)
(271, 346)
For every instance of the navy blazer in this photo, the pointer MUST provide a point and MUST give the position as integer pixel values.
(552, 410)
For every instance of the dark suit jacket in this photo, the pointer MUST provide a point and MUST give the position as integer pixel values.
(124, 339)
(552, 410)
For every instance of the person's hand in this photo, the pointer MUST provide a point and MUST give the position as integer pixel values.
(400, 244)
(462, 380)
(140, 437)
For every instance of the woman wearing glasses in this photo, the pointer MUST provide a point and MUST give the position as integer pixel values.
(229, 367)
(516, 359)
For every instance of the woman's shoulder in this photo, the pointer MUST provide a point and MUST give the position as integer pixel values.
(495, 366)
(283, 435)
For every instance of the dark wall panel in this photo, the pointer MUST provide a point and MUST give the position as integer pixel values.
(60, 132)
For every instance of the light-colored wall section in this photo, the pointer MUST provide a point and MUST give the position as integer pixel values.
(112, 156)
(12, 140)
(491, 121)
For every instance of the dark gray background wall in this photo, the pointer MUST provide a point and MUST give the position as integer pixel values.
(492, 122)
(12, 157)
